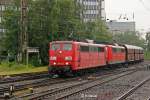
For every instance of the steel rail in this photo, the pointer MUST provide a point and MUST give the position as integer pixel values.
(131, 91)
(36, 84)
(45, 92)
(96, 83)
(46, 82)
(22, 77)
(92, 83)
(148, 98)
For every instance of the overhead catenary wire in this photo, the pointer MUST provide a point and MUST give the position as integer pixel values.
(147, 8)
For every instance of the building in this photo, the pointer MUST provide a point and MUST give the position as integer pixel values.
(121, 27)
(92, 10)
(3, 5)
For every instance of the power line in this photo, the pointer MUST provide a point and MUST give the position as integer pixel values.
(147, 8)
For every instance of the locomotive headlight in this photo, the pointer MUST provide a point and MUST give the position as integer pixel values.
(67, 63)
(53, 58)
(54, 63)
(68, 58)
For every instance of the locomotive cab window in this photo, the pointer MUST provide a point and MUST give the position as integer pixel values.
(55, 47)
(67, 47)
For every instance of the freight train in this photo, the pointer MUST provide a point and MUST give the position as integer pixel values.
(72, 56)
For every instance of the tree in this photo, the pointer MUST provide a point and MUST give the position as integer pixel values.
(11, 23)
(131, 38)
(50, 20)
(46, 18)
(96, 30)
(148, 40)
(101, 32)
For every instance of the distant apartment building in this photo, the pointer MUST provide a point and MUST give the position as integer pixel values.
(3, 5)
(121, 27)
(93, 9)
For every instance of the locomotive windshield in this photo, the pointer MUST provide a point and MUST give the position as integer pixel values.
(67, 47)
(55, 47)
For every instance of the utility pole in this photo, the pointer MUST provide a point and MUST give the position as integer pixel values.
(148, 41)
(23, 37)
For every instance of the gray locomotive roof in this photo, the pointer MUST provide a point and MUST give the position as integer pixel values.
(132, 47)
(116, 46)
(84, 43)
(91, 44)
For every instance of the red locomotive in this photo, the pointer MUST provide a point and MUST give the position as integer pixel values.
(115, 54)
(71, 56)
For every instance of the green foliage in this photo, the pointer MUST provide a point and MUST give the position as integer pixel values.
(10, 42)
(34, 60)
(38, 27)
(96, 30)
(148, 40)
(50, 20)
(131, 38)
(147, 55)
(100, 32)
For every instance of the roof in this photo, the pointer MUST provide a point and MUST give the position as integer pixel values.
(85, 43)
(116, 46)
(132, 47)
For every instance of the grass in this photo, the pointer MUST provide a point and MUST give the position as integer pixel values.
(147, 55)
(13, 68)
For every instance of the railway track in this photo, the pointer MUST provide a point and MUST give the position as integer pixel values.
(22, 77)
(148, 98)
(16, 81)
(73, 89)
(25, 82)
(131, 91)
(35, 84)
(43, 82)
(19, 86)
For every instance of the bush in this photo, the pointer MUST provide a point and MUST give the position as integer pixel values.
(34, 60)
(147, 55)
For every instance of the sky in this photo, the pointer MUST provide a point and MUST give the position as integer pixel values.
(137, 10)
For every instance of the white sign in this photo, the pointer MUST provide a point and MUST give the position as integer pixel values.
(32, 49)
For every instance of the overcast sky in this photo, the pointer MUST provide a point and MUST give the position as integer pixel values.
(140, 8)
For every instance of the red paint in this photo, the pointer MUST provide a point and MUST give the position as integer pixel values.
(88, 55)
